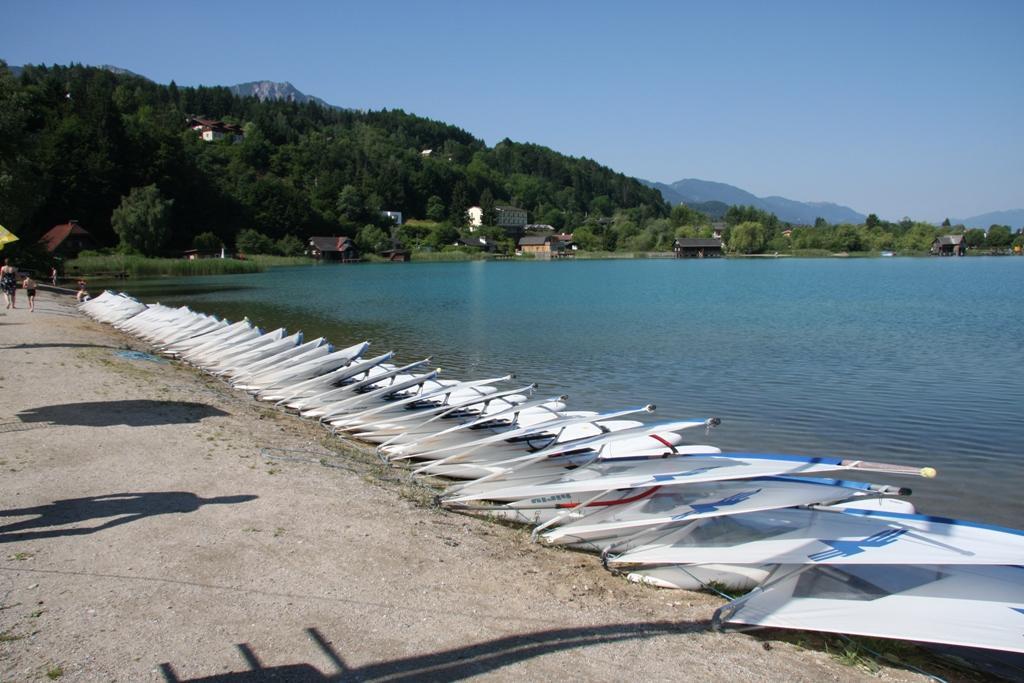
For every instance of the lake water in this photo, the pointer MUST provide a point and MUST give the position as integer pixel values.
(912, 361)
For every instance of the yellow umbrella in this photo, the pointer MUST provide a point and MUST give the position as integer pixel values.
(6, 236)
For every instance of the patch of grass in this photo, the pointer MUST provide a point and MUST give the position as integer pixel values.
(55, 673)
(112, 265)
(9, 637)
(851, 653)
(22, 556)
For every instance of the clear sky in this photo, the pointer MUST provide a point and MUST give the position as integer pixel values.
(902, 108)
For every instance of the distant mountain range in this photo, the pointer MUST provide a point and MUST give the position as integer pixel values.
(710, 197)
(1013, 218)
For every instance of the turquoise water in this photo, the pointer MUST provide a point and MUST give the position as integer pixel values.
(913, 361)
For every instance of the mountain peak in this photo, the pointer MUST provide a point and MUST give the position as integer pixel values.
(272, 90)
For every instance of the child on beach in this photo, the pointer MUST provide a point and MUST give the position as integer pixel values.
(30, 291)
(83, 294)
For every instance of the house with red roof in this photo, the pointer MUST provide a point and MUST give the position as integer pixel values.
(67, 240)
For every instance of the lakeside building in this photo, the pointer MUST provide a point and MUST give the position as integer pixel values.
(697, 247)
(396, 255)
(333, 249)
(541, 246)
(949, 245)
(395, 216)
(67, 240)
(511, 219)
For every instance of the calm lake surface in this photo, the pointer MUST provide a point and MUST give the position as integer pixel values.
(912, 361)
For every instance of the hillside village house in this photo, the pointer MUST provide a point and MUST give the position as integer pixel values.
(509, 218)
(212, 130)
(333, 249)
(949, 245)
(67, 240)
(395, 216)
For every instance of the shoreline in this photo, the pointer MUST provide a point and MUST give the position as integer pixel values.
(159, 525)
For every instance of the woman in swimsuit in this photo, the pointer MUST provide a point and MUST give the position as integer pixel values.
(8, 282)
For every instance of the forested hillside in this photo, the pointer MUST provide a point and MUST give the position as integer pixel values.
(74, 141)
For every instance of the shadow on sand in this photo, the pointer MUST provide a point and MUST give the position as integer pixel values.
(56, 345)
(116, 508)
(135, 413)
(446, 665)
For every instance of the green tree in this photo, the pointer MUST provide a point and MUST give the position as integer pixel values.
(442, 236)
(975, 238)
(684, 215)
(872, 221)
(290, 245)
(143, 220)
(747, 238)
(488, 214)
(459, 205)
(435, 208)
(207, 241)
(999, 236)
(351, 206)
(372, 239)
(251, 242)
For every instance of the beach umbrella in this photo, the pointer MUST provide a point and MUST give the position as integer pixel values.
(6, 236)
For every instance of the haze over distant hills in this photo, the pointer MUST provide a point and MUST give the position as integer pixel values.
(1013, 218)
(699, 193)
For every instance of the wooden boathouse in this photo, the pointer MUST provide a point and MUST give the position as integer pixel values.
(949, 245)
(333, 249)
(697, 247)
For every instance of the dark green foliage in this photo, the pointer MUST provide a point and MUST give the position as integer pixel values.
(207, 241)
(975, 238)
(488, 215)
(372, 239)
(75, 139)
(142, 221)
(999, 236)
(251, 242)
(290, 245)
(435, 208)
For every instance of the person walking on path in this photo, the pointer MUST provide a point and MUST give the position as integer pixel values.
(30, 291)
(9, 282)
(53, 276)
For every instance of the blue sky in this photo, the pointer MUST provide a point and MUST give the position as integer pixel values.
(899, 108)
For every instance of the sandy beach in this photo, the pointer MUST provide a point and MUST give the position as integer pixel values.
(157, 525)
